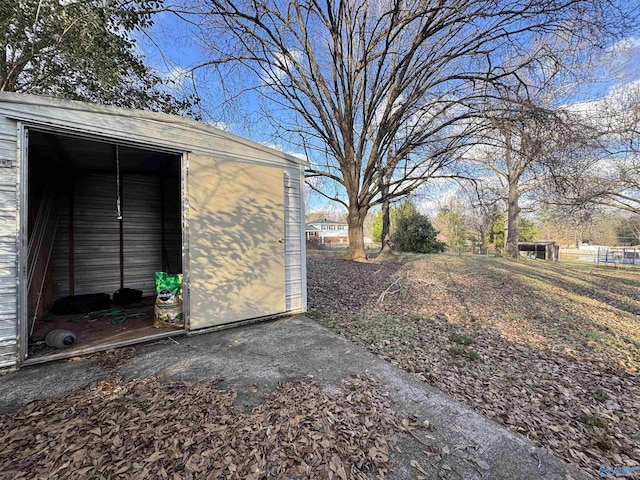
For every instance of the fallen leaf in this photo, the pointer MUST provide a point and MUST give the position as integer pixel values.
(418, 467)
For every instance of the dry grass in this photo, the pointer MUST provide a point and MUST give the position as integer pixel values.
(550, 350)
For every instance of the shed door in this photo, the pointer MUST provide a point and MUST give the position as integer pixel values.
(236, 241)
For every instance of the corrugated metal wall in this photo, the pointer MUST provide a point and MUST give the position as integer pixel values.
(295, 279)
(8, 243)
(141, 128)
(236, 235)
(143, 242)
(97, 234)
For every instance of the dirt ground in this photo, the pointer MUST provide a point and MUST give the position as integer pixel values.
(274, 400)
(551, 351)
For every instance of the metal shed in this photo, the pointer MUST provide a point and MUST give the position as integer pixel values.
(95, 198)
(541, 250)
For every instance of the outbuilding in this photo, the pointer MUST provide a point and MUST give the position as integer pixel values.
(541, 250)
(94, 199)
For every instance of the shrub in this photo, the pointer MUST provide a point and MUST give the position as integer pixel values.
(414, 233)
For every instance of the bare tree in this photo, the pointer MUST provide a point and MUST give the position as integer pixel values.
(480, 204)
(531, 136)
(517, 148)
(609, 174)
(594, 224)
(453, 221)
(386, 87)
(629, 230)
(385, 249)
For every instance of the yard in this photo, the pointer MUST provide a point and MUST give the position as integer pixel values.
(550, 350)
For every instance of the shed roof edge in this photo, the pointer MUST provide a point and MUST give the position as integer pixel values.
(142, 115)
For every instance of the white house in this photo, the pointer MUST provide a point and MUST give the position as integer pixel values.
(327, 232)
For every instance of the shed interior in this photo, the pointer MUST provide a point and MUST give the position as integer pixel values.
(100, 217)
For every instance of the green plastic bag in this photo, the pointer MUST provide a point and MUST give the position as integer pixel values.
(168, 309)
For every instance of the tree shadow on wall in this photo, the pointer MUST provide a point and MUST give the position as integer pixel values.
(236, 253)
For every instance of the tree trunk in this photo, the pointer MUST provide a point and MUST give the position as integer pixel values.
(513, 210)
(483, 240)
(355, 220)
(386, 230)
(386, 219)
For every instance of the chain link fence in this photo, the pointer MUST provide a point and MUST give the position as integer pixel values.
(603, 255)
(599, 255)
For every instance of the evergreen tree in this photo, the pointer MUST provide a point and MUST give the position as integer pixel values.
(415, 233)
(376, 227)
(527, 230)
(496, 231)
(406, 208)
(82, 50)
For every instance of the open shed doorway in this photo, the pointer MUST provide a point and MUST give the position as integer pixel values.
(99, 217)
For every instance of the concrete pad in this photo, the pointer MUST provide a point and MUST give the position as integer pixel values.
(253, 359)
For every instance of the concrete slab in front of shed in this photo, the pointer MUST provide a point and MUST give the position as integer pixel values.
(255, 358)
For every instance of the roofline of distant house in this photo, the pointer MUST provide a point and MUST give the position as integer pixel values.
(324, 221)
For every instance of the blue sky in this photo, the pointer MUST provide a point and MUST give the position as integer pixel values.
(173, 49)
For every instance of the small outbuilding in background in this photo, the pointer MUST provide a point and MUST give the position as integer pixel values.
(541, 250)
(96, 199)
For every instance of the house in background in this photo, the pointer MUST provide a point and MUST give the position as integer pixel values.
(327, 232)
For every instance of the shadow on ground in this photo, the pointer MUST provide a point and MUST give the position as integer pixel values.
(254, 359)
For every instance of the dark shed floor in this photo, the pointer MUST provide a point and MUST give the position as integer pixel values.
(96, 332)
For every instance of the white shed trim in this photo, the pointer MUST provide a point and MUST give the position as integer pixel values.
(174, 133)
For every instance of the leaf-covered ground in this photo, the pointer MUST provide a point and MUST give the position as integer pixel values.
(550, 350)
(175, 430)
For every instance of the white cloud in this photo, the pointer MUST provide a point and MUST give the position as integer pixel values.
(613, 109)
(219, 125)
(176, 75)
(381, 108)
(623, 91)
(299, 155)
(621, 60)
(280, 68)
(625, 45)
